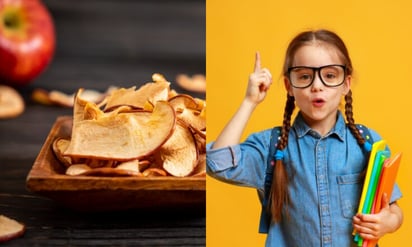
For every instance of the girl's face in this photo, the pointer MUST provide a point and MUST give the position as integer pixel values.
(318, 103)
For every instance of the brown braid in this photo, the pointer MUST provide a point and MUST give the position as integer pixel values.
(279, 195)
(350, 121)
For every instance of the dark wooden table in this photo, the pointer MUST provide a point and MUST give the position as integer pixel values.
(102, 43)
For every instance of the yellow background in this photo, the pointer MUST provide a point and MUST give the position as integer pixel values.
(379, 39)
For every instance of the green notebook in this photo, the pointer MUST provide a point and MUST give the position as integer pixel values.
(380, 158)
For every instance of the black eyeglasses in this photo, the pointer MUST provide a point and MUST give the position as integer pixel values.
(330, 75)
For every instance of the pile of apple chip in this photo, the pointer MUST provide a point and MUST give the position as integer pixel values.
(149, 131)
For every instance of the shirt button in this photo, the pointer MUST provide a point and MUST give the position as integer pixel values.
(325, 210)
(326, 239)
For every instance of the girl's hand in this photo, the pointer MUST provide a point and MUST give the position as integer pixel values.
(374, 226)
(259, 82)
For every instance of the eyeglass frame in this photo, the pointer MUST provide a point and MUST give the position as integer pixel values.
(317, 69)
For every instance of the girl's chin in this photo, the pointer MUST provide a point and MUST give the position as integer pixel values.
(317, 117)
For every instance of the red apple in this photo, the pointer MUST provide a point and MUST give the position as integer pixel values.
(27, 40)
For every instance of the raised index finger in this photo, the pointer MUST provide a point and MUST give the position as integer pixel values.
(257, 62)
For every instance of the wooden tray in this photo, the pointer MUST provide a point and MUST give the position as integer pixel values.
(88, 193)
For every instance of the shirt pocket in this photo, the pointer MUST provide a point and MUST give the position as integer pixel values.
(350, 188)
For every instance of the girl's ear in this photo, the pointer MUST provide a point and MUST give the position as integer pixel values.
(347, 84)
(288, 86)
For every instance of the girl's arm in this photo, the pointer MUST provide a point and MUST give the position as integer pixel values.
(375, 226)
(259, 82)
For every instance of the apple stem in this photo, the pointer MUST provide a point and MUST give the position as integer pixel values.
(11, 21)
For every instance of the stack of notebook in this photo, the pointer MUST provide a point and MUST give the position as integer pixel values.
(380, 179)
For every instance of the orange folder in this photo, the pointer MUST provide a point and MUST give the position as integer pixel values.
(386, 184)
(387, 181)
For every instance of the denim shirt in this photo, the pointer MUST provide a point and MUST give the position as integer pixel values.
(325, 181)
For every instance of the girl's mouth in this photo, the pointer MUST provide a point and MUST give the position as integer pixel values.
(318, 102)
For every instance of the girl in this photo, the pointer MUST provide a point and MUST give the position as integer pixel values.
(317, 178)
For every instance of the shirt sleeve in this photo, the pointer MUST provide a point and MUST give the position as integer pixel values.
(396, 193)
(243, 164)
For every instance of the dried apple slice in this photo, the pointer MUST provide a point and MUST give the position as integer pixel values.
(195, 83)
(10, 229)
(172, 93)
(200, 170)
(154, 172)
(41, 96)
(77, 169)
(85, 170)
(179, 154)
(156, 77)
(60, 98)
(110, 172)
(151, 91)
(188, 109)
(55, 97)
(59, 147)
(200, 137)
(134, 165)
(11, 102)
(79, 106)
(97, 163)
(123, 136)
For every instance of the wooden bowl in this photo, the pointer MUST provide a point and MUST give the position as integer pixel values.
(89, 193)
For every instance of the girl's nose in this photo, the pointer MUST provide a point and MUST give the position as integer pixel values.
(317, 83)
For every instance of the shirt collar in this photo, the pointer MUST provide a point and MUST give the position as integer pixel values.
(302, 128)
